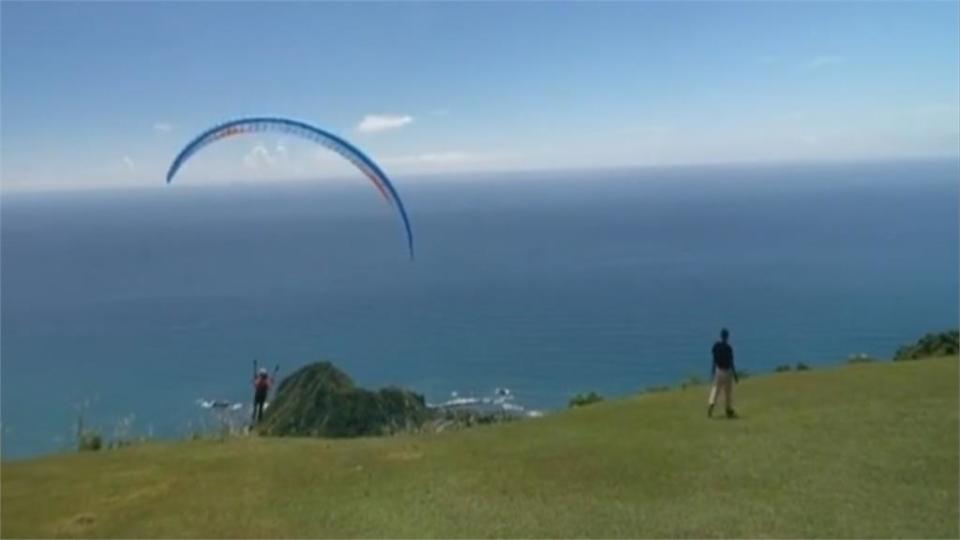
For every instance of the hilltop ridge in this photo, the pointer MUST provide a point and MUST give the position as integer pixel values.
(862, 450)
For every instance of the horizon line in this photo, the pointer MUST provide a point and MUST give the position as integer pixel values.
(432, 176)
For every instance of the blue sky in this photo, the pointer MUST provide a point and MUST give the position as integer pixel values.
(105, 94)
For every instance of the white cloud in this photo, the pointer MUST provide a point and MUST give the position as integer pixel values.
(276, 159)
(824, 61)
(162, 127)
(444, 157)
(434, 158)
(259, 156)
(373, 123)
(128, 162)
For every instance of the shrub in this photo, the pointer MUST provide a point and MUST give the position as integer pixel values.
(781, 368)
(691, 381)
(861, 358)
(120, 443)
(802, 367)
(930, 345)
(455, 419)
(89, 441)
(580, 400)
(122, 433)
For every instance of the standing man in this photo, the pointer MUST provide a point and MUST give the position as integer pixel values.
(261, 386)
(724, 373)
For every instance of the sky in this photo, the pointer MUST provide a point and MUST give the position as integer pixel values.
(106, 94)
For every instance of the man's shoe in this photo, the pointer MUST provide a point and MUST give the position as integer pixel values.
(709, 411)
(731, 413)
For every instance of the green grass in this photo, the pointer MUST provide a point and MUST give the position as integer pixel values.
(863, 450)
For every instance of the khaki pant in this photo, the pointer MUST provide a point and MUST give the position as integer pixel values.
(722, 382)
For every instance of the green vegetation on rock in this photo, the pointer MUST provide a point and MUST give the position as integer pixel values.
(930, 345)
(320, 400)
(580, 400)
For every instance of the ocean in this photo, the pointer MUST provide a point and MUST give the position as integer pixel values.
(141, 302)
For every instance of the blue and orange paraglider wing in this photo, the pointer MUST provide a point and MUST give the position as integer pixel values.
(307, 131)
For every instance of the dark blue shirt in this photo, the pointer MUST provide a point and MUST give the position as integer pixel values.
(722, 356)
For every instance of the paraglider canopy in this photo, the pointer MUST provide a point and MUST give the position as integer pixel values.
(300, 129)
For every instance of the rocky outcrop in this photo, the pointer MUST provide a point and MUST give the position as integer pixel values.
(320, 400)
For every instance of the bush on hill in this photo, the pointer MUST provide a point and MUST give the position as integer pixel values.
(452, 419)
(580, 400)
(89, 441)
(930, 345)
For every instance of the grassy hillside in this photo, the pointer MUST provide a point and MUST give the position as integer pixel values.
(858, 451)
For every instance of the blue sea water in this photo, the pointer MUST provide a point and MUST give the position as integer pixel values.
(545, 283)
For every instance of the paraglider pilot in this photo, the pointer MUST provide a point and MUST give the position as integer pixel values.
(262, 382)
